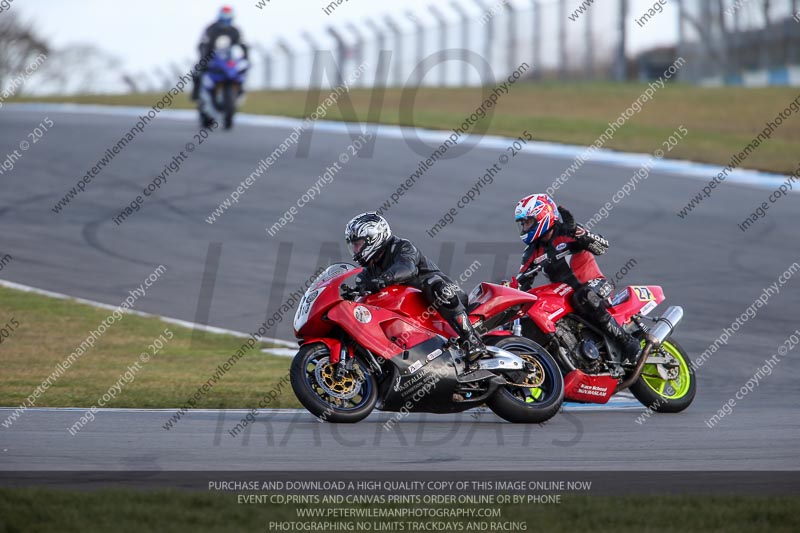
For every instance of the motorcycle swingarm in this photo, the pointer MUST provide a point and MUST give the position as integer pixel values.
(502, 360)
(659, 360)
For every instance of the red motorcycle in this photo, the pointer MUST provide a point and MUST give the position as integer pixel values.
(662, 377)
(392, 351)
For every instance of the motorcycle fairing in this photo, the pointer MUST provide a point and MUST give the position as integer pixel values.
(422, 379)
(554, 302)
(364, 322)
(411, 303)
(638, 299)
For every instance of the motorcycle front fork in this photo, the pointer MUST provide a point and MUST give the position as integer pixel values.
(344, 365)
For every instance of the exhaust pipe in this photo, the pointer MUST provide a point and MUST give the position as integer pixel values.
(655, 336)
(665, 325)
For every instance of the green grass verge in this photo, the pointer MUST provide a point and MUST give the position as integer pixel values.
(51, 329)
(44, 510)
(721, 121)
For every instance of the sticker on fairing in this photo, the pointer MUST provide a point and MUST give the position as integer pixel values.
(362, 314)
(563, 289)
(644, 294)
(649, 306)
(414, 367)
(433, 355)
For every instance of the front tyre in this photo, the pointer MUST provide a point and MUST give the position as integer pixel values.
(205, 120)
(536, 395)
(670, 387)
(347, 400)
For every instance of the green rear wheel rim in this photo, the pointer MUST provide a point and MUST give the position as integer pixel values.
(679, 386)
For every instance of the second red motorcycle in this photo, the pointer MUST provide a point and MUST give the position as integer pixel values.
(662, 377)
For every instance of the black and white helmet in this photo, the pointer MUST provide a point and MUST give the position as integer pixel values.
(366, 235)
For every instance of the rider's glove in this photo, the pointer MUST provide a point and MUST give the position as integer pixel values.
(370, 285)
(593, 242)
(567, 220)
(527, 281)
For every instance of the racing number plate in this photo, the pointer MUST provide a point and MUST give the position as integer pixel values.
(644, 294)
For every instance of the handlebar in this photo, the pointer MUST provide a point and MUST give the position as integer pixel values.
(351, 293)
(529, 274)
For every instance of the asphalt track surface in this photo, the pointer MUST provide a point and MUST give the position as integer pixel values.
(704, 262)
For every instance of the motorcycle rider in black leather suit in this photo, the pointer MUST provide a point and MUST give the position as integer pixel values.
(390, 260)
(223, 26)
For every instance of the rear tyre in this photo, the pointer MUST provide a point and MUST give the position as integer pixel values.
(532, 404)
(348, 400)
(677, 391)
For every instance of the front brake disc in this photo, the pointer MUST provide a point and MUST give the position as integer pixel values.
(342, 389)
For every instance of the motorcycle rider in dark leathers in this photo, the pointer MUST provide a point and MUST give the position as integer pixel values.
(390, 260)
(223, 26)
(565, 250)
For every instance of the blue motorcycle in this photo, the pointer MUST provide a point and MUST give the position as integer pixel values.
(222, 89)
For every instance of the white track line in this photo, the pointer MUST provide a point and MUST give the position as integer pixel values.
(684, 169)
(176, 321)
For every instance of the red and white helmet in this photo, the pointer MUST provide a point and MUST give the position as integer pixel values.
(535, 215)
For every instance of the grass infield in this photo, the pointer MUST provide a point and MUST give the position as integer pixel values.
(51, 329)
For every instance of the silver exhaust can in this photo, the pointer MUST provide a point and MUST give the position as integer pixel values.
(665, 325)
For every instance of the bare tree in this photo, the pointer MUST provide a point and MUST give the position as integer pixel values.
(19, 46)
(724, 40)
(81, 68)
(703, 24)
(75, 68)
(130, 82)
(766, 35)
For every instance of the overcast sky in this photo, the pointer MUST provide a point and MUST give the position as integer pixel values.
(143, 33)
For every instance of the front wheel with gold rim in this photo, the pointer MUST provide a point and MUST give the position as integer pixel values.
(348, 399)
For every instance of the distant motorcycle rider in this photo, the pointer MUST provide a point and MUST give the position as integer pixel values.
(390, 260)
(223, 26)
(566, 252)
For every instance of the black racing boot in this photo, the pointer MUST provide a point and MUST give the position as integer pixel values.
(196, 91)
(474, 349)
(468, 340)
(630, 346)
(196, 82)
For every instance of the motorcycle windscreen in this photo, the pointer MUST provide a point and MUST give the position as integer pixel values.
(322, 294)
